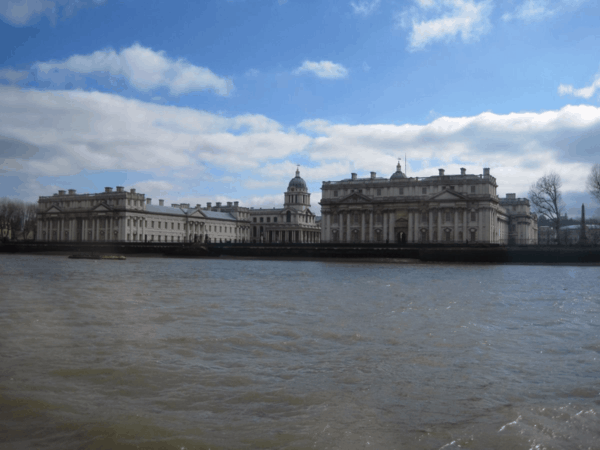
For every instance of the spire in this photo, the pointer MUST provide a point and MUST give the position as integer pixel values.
(298, 170)
(398, 167)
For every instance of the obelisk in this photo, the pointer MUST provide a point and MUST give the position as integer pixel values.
(582, 235)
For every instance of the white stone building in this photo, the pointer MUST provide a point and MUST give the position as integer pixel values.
(126, 216)
(438, 209)
(294, 223)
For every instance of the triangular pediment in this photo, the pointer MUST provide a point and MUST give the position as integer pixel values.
(448, 195)
(102, 207)
(355, 197)
(197, 213)
(54, 209)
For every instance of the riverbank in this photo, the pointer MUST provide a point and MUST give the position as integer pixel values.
(426, 252)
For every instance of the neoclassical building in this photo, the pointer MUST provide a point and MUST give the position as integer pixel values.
(294, 223)
(440, 209)
(127, 216)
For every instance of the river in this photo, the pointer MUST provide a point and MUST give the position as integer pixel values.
(165, 353)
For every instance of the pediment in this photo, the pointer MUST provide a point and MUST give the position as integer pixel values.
(54, 209)
(448, 195)
(355, 197)
(102, 207)
(197, 213)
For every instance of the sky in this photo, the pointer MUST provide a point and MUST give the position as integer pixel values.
(220, 100)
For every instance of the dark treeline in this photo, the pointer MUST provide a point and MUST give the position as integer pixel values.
(17, 219)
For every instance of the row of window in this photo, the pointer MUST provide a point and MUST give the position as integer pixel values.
(400, 190)
(166, 226)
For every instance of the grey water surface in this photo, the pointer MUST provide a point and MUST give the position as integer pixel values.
(165, 353)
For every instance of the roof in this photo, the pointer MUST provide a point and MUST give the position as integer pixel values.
(169, 210)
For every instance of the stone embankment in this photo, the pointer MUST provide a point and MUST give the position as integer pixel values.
(426, 253)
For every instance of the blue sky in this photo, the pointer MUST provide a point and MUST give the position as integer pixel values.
(219, 100)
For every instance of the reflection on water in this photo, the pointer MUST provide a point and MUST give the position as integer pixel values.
(183, 353)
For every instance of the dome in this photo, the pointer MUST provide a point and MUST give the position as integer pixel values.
(398, 174)
(297, 182)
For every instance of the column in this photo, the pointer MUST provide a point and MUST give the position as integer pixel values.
(391, 230)
(61, 226)
(465, 226)
(430, 231)
(411, 216)
(340, 228)
(371, 227)
(439, 226)
(109, 231)
(348, 226)
(362, 226)
(455, 225)
(385, 226)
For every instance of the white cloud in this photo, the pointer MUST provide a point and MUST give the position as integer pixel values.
(364, 7)
(533, 10)
(13, 76)
(585, 92)
(60, 133)
(22, 12)
(143, 67)
(443, 20)
(322, 69)
(252, 72)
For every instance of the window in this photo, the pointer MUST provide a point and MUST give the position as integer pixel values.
(220, 229)
(473, 216)
(261, 220)
(129, 202)
(274, 219)
(268, 219)
(378, 191)
(172, 225)
(128, 223)
(451, 188)
(254, 219)
(145, 223)
(401, 191)
(424, 217)
(360, 191)
(153, 224)
(172, 238)
(210, 228)
(473, 236)
(448, 217)
(288, 217)
(178, 238)
(128, 237)
(447, 235)
(472, 189)
(158, 224)
(424, 190)
(159, 238)
(179, 226)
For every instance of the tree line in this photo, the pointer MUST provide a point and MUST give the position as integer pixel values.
(17, 218)
(546, 196)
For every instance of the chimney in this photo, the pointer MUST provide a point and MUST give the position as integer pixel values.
(161, 202)
(62, 192)
(132, 190)
(218, 204)
(120, 188)
(148, 201)
(354, 176)
(229, 204)
(486, 172)
(463, 171)
(199, 205)
(174, 205)
(72, 191)
(373, 175)
(208, 205)
(511, 195)
(107, 190)
(441, 172)
(185, 205)
(236, 204)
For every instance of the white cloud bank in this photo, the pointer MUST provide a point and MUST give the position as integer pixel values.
(443, 20)
(143, 67)
(322, 69)
(61, 133)
(585, 92)
(22, 12)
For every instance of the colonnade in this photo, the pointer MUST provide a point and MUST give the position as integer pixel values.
(284, 235)
(418, 225)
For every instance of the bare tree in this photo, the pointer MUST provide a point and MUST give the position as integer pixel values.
(16, 216)
(546, 199)
(593, 181)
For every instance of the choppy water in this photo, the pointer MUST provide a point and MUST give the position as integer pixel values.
(193, 354)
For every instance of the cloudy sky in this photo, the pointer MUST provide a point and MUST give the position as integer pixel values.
(219, 100)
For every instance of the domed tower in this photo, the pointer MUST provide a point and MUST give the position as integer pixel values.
(398, 174)
(297, 195)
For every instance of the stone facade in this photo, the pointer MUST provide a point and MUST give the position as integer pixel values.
(294, 223)
(438, 209)
(127, 216)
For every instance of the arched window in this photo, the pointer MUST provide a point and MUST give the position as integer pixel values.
(288, 216)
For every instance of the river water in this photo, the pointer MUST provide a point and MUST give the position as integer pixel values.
(163, 353)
